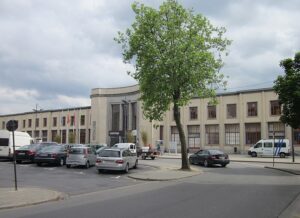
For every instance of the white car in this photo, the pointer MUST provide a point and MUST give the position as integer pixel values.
(116, 159)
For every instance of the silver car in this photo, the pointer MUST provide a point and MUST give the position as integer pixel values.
(116, 159)
(81, 156)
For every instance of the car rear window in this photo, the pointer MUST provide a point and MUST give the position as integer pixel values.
(3, 142)
(76, 151)
(215, 152)
(52, 149)
(109, 153)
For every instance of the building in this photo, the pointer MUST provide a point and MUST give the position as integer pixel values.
(239, 120)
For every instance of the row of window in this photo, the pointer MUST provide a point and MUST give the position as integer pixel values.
(232, 134)
(64, 120)
(275, 110)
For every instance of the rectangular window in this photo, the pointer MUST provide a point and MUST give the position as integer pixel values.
(24, 123)
(161, 132)
(29, 123)
(63, 121)
(175, 135)
(72, 120)
(275, 108)
(54, 121)
(193, 113)
(212, 134)
(82, 120)
(278, 129)
(232, 134)
(3, 125)
(194, 136)
(54, 134)
(44, 122)
(296, 136)
(212, 112)
(231, 111)
(115, 124)
(82, 136)
(252, 109)
(253, 134)
(37, 122)
(134, 115)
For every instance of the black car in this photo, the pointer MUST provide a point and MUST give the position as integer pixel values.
(27, 152)
(55, 154)
(208, 157)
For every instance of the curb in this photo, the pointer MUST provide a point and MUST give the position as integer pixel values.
(283, 170)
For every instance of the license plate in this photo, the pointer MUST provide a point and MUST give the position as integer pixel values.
(21, 153)
(43, 155)
(222, 158)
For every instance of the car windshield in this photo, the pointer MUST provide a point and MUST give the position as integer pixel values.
(215, 152)
(109, 153)
(51, 149)
(76, 150)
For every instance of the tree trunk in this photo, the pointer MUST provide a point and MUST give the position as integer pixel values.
(184, 159)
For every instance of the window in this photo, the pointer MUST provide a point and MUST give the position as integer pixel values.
(232, 134)
(37, 122)
(54, 134)
(212, 134)
(252, 109)
(275, 108)
(54, 121)
(211, 109)
(63, 121)
(134, 115)
(175, 135)
(45, 122)
(276, 128)
(82, 120)
(231, 111)
(194, 136)
(30, 133)
(72, 120)
(115, 117)
(193, 113)
(258, 145)
(82, 136)
(3, 124)
(24, 123)
(29, 123)
(296, 136)
(268, 144)
(252, 133)
(161, 132)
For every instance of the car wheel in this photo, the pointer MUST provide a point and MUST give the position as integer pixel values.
(39, 164)
(152, 158)
(223, 165)
(205, 163)
(126, 168)
(135, 165)
(253, 154)
(61, 162)
(143, 157)
(68, 165)
(87, 164)
(282, 155)
(19, 161)
(99, 171)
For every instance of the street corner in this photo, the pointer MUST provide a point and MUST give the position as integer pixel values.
(10, 198)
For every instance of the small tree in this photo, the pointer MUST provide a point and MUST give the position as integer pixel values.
(177, 55)
(144, 137)
(71, 138)
(57, 139)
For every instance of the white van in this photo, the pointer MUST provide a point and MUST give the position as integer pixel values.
(6, 142)
(130, 146)
(265, 147)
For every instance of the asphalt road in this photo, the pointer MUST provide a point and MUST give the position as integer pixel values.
(239, 190)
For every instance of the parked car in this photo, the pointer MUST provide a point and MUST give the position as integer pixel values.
(130, 146)
(80, 155)
(28, 152)
(119, 159)
(55, 154)
(100, 149)
(208, 157)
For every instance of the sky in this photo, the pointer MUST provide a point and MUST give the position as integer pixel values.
(53, 52)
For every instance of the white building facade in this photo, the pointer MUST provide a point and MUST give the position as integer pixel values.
(238, 121)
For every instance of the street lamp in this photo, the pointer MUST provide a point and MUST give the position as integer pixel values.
(36, 110)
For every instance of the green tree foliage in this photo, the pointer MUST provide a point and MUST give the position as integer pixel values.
(288, 89)
(71, 138)
(57, 139)
(177, 55)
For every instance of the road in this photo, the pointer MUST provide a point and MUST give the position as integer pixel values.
(239, 190)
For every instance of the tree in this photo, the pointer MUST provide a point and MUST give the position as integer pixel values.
(288, 89)
(57, 139)
(177, 55)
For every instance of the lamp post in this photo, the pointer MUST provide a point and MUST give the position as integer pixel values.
(36, 110)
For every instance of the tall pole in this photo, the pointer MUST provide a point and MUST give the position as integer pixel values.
(15, 168)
